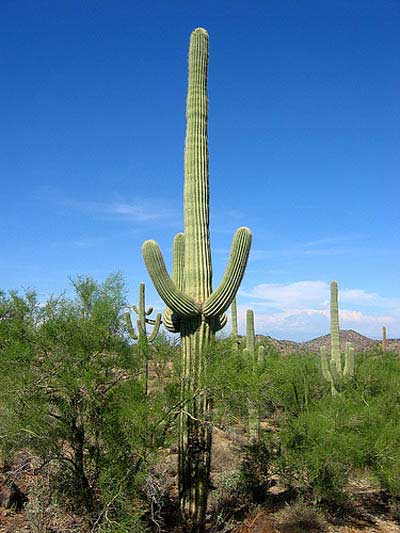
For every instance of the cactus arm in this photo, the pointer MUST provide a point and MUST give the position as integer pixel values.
(221, 298)
(219, 322)
(170, 319)
(129, 326)
(178, 263)
(325, 364)
(349, 360)
(156, 329)
(149, 310)
(175, 299)
(246, 352)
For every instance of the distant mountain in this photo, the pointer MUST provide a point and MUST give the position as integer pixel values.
(358, 341)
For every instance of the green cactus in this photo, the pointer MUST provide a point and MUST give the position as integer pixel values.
(384, 339)
(256, 358)
(234, 334)
(332, 368)
(141, 335)
(335, 347)
(193, 308)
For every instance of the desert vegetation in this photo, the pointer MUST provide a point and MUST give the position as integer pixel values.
(108, 427)
(87, 446)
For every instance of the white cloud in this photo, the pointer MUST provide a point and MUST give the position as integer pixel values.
(300, 310)
(138, 211)
(300, 294)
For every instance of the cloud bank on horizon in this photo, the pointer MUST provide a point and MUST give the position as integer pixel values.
(300, 310)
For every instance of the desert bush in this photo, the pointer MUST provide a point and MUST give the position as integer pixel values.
(311, 458)
(293, 382)
(72, 394)
(301, 516)
(257, 466)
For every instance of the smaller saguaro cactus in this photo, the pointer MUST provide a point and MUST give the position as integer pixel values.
(384, 339)
(141, 335)
(234, 334)
(332, 368)
(256, 358)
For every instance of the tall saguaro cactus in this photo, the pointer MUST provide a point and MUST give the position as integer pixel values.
(256, 359)
(332, 368)
(193, 308)
(335, 345)
(141, 335)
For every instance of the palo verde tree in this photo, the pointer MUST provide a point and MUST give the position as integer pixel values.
(195, 310)
(71, 395)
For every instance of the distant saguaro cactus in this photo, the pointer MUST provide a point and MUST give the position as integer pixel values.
(141, 335)
(256, 360)
(333, 370)
(235, 333)
(384, 339)
(194, 309)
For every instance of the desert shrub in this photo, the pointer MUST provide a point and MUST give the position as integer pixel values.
(387, 454)
(300, 516)
(293, 382)
(72, 394)
(257, 467)
(311, 458)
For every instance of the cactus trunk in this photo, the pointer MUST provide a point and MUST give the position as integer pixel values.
(384, 340)
(195, 437)
(335, 347)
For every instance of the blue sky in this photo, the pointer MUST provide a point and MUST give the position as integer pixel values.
(304, 148)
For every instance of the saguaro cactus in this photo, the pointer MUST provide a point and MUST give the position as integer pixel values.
(256, 360)
(234, 334)
(332, 368)
(335, 346)
(193, 308)
(141, 335)
(384, 339)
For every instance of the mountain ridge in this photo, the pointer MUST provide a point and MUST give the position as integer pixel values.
(359, 342)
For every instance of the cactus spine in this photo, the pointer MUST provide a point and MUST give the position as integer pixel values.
(256, 358)
(384, 339)
(332, 368)
(141, 335)
(193, 308)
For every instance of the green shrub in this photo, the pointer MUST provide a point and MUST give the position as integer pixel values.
(72, 395)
